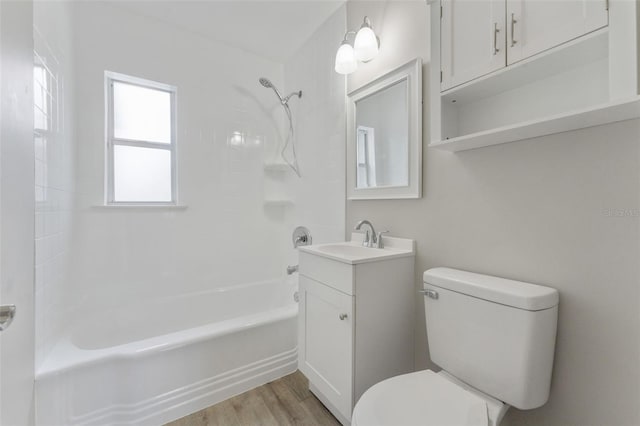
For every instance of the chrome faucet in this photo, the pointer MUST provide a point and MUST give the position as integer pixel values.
(370, 237)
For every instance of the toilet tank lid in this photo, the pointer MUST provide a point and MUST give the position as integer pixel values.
(518, 294)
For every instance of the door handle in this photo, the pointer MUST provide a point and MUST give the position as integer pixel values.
(496, 30)
(7, 313)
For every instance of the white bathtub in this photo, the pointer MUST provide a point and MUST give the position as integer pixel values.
(155, 363)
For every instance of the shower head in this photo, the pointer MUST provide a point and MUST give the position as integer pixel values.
(268, 84)
(265, 82)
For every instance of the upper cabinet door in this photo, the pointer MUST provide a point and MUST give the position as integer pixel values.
(537, 25)
(473, 39)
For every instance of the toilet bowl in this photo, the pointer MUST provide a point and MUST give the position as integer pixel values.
(494, 340)
(426, 398)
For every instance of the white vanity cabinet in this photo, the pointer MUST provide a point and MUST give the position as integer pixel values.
(326, 344)
(482, 36)
(355, 319)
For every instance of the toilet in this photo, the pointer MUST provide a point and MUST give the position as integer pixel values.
(494, 340)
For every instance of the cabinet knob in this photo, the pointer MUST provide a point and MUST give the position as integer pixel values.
(343, 317)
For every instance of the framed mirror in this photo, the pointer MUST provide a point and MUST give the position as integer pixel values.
(384, 139)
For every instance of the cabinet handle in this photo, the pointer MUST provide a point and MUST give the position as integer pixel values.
(343, 317)
(513, 24)
(495, 38)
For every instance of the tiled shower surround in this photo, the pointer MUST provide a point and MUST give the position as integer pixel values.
(54, 171)
(224, 231)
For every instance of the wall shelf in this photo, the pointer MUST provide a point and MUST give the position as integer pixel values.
(588, 117)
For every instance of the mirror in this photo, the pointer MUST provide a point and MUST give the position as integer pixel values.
(382, 138)
(384, 142)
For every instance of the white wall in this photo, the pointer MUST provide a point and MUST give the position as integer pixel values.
(225, 236)
(16, 211)
(54, 174)
(538, 211)
(319, 118)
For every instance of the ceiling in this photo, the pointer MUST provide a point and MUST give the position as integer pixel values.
(275, 29)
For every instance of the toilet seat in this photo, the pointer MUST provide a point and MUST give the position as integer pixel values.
(423, 398)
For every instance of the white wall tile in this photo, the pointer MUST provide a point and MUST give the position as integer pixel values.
(89, 258)
(224, 237)
(53, 172)
(319, 120)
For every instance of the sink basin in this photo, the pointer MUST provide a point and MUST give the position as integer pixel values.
(349, 250)
(354, 252)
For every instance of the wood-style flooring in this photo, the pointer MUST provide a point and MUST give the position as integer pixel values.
(283, 402)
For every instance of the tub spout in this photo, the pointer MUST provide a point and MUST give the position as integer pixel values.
(292, 269)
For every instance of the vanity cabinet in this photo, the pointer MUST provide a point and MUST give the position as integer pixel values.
(326, 350)
(355, 324)
(483, 36)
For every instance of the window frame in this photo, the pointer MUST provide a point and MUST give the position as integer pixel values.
(111, 141)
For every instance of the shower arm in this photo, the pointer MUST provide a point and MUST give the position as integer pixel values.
(286, 99)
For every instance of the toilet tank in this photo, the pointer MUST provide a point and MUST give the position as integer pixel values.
(494, 334)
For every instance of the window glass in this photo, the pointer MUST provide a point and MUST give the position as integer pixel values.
(141, 113)
(40, 98)
(141, 174)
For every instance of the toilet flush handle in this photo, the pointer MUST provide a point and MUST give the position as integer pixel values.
(429, 293)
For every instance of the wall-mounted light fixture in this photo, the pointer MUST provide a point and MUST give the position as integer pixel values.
(365, 47)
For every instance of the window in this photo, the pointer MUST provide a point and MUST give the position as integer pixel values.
(141, 141)
(45, 119)
(366, 157)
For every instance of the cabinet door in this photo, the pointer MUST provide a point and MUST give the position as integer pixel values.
(537, 25)
(472, 39)
(326, 342)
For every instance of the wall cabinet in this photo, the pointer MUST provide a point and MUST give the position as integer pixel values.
(472, 38)
(534, 26)
(517, 69)
(479, 37)
(355, 323)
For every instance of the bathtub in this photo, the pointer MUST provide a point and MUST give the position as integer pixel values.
(157, 362)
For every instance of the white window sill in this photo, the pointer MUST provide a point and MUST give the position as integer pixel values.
(140, 206)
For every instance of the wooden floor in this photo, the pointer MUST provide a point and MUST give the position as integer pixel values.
(286, 401)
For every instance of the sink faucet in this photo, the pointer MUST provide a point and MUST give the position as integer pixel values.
(370, 237)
